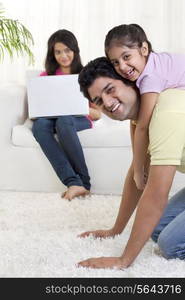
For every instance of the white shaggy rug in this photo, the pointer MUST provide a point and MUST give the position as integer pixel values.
(38, 238)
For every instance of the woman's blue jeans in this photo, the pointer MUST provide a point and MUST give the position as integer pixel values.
(65, 152)
(170, 231)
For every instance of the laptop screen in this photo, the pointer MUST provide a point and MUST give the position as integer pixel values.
(56, 95)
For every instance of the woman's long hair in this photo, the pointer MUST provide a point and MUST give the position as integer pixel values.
(66, 37)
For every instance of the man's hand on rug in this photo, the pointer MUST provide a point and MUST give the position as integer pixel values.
(102, 263)
(97, 234)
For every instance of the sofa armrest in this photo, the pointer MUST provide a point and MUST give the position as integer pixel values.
(13, 109)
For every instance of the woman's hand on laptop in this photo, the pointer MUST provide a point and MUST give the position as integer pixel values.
(94, 113)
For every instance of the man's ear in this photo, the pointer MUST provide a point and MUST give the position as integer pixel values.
(144, 49)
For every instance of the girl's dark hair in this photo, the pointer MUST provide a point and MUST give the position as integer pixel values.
(66, 37)
(99, 67)
(131, 35)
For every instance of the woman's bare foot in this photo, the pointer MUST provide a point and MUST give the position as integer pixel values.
(75, 191)
(63, 194)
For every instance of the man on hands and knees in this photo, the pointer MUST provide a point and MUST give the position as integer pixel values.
(119, 100)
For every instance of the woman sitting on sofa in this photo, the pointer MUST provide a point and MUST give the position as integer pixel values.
(65, 153)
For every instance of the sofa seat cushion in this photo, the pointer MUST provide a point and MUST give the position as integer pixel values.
(105, 133)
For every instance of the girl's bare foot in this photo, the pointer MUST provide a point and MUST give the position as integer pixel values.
(75, 191)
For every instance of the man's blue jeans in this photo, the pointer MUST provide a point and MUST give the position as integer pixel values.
(65, 152)
(170, 231)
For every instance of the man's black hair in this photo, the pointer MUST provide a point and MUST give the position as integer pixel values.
(99, 67)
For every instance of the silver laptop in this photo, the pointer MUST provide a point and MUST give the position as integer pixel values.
(51, 96)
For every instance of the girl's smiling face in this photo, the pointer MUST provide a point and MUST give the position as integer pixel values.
(128, 62)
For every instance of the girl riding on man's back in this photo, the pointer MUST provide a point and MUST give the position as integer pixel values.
(129, 50)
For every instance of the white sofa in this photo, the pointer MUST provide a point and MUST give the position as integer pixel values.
(23, 166)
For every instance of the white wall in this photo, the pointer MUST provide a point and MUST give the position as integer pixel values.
(90, 20)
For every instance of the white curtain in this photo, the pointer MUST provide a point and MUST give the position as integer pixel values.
(90, 20)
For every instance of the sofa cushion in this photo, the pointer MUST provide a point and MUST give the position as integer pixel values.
(105, 133)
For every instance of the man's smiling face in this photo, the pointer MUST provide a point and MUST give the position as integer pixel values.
(117, 100)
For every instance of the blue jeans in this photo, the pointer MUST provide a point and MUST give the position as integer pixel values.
(65, 152)
(170, 231)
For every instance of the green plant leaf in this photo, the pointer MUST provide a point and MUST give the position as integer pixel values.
(14, 38)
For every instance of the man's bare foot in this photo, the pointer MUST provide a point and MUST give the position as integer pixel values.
(75, 191)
